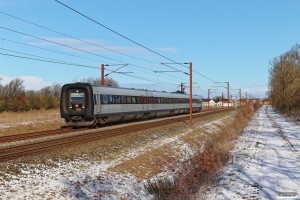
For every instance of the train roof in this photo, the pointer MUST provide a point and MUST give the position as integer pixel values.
(144, 90)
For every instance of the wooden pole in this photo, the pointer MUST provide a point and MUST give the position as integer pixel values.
(191, 95)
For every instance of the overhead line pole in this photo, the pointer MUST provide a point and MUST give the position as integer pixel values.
(222, 99)
(240, 97)
(208, 97)
(191, 87)
(228, 93)
(115, 71)
(191, 95)
(102, 74)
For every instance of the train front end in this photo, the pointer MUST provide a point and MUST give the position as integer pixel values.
(76, 104)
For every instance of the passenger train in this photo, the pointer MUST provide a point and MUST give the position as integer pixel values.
(83, 104)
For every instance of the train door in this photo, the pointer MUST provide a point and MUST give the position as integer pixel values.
(97, 103)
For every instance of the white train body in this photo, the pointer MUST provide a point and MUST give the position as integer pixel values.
(84, 104)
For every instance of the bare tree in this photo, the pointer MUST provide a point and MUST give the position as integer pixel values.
(97, 81)
(13, 88)
(284, 80)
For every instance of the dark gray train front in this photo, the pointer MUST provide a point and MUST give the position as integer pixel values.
(76, 104)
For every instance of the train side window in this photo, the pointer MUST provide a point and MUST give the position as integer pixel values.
(133, 100)
(104, 99)
(117, 99)
(152, 100)
(157, 100)
(109, 99)
(122, 100)
(128, 98)
(137, 100)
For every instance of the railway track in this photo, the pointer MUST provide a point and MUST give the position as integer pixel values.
(280, 131)
(88, 135)
(26, 136)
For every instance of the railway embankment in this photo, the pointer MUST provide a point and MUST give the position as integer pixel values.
(139, 165)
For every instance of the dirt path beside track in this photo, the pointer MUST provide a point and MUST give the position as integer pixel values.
(265, 161)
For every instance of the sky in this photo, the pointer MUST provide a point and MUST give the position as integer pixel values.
(226, 41)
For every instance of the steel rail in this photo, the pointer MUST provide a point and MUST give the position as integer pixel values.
(25, 136)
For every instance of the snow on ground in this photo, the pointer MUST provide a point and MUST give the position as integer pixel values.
(264, 165)
(82, 178)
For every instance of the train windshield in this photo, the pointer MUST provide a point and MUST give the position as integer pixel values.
(77, 96)
(77, 102)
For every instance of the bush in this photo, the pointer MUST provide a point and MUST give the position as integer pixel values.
(202, 168)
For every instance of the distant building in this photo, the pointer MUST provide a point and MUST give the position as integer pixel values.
(211, 102)
(225, 103)
(219, 103)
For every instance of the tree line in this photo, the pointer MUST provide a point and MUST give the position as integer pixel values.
(284, 81)
(14, 96)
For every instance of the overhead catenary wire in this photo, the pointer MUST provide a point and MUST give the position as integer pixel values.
(64, 45)
(50, 50)
(57, 43)
(87, 42)
(75, 38)
(119, 34)
(131, 40)
(50, 60)
(59, 53)
(66, 35)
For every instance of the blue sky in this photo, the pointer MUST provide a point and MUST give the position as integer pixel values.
(225, 40)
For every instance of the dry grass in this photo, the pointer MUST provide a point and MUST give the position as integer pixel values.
(148, 165)
(200, 170)
(31, 121)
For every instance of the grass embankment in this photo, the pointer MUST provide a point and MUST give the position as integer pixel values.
(31, 121)
(200, 170)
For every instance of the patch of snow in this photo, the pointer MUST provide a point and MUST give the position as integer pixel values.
(85, 179)
(264, 165)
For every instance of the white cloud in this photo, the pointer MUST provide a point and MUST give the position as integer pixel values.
(30, 82)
